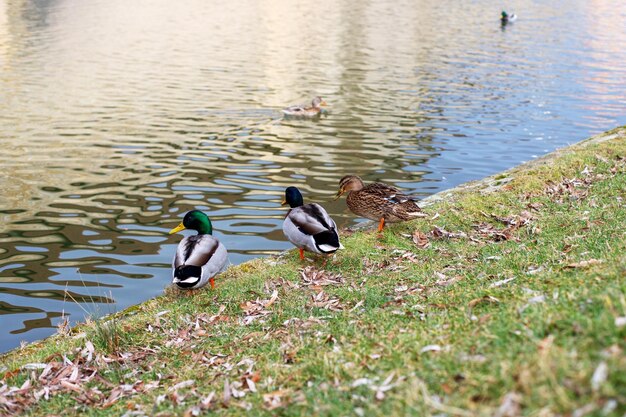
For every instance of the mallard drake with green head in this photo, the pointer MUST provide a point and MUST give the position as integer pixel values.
(507, 18)
(308, 226)
(199, 258)
(378, 201)
(303, 110)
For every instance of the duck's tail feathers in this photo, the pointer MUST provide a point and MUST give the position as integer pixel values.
(187, 276)
(327, 241)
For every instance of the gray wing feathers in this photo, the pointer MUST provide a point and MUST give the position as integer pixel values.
(217, 264)
(297, 237)
(305, 221)
(204, 251)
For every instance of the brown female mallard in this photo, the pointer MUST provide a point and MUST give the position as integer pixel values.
(378, 201)
(302, 110)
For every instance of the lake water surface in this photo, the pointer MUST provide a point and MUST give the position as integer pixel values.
(117, 117)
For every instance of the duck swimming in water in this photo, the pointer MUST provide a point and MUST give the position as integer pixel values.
(507, 18)
(198, 258)
(378, 201)
(306, 111)
(308, 226)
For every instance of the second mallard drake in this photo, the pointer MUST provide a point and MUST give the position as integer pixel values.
(198, 258)
(302, 110)
(308, 226)
(378, 201)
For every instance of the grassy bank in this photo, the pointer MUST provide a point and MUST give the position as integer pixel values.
(505, 301)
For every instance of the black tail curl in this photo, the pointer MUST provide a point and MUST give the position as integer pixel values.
(183, 272)
(327, 237)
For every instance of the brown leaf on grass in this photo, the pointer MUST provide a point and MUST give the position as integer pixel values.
(488, 230)
(430, 348)
(70, 386)
(205, 318)
(568, 248)
(314, 277)
(601, 158)
(276, 399)
(395, 264)
(514, 220)
(599, 376)
(510, 406)
(370, 267)
(584, 264)
(445, 281)
(323, 300)
(573, 189)
(440, 232)
(487, 299)
(64, 328)
(257, 309)
(387, 385)
(545, 344)
(184, 384)
(226, 396)
(420, 239)
(447, 388)
(282, 283)
(10, 374)
(501, 282)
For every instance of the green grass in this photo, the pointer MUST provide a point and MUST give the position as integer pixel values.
(503, 320)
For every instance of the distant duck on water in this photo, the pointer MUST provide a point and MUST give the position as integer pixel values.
(198, 258)
(308, 226)
(507, 18)
(302, 110)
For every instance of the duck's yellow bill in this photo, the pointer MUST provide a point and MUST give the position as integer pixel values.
(339, 194)
(283, 203)
(177, 229)
(323, 103)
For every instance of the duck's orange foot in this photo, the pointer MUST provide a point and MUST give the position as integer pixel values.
(381, 225)
(301, 254)
(212, 282)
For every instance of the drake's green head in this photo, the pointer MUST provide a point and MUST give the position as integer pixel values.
(195, 220)
(292, 197)
(504, 14)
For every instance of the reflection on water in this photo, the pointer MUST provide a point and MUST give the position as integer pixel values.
(112, 126)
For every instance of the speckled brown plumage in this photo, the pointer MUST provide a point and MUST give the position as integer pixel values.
(378, 201)
(306, 111)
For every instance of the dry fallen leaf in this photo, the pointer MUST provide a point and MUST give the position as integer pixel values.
(584, 264)
(501, 282)
(440, 232)
(430, 348)
(510, 406)
(485, 299)
(312, 276)
(254, 310)
(227, 393)
(323, 300)
(420, 239)
(275, 399)
(599, 376)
